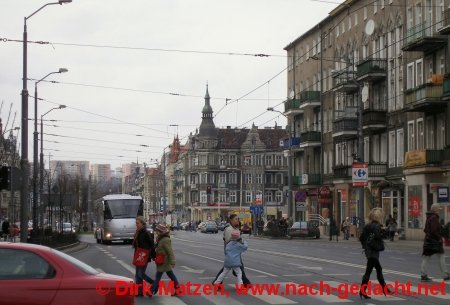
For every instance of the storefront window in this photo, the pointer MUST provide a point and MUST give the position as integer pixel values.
(415, 207)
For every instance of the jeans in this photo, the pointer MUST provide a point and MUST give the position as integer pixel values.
(224, 273)
(140, 276)
(158, 276)
(442, 266)
(373, 262)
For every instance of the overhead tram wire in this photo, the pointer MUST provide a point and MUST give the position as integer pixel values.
(102, 147)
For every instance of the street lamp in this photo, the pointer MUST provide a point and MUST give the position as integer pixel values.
(41, 161)
(24, 157)
(35, 150)
(290, 203)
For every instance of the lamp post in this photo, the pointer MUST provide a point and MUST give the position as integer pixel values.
(41, 161)
(24, 165)
(35, 151)
(290, 203)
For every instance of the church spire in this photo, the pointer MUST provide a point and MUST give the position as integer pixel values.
(207, 127)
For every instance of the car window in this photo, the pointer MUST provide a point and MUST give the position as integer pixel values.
(79, 264)
(303, 225)
(296, 225)
(18, 264)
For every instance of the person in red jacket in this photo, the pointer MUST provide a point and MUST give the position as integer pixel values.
(433, 244)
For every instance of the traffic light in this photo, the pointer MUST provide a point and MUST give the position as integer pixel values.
(208, 189)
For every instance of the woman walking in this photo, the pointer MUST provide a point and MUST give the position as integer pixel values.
(164, 258)
(142, 240)
(373, 244)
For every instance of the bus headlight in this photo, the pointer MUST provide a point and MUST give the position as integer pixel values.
(108, 235)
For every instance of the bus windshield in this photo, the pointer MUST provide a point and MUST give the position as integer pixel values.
(118, 208)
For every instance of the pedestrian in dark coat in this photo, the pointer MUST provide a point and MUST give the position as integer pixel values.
(373, 244)
(433, 244)
(142, 239)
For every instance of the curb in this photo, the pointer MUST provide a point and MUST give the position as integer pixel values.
(72, 247)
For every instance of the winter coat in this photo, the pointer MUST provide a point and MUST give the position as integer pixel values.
(227, 235)
(432, 231)
(375, 228)
(233, 253)
(164, 246)
(142, 239)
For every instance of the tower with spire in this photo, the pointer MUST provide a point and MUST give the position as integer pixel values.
(207, 134)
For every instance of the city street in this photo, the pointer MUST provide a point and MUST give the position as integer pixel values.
(275, 261)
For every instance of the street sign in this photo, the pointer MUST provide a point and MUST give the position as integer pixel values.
(360, 174)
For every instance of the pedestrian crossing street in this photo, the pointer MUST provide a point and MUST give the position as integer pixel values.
(266, 299)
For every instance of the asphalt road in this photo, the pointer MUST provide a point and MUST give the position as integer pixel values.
(271, 261)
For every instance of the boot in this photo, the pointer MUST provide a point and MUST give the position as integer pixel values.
(362, 291)
(386, 290)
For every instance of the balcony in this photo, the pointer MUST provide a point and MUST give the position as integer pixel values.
(309, 99)
(374, 119)
(345, 122)
(371, 70)
(445, 29)
(295, 141)
(377, 169)
(342, 172)
(310, 139)
(274, 186)
(291, 107)
(446, 88)
(420, 38)
(344, 81)
(307, 179)
(446, 155)
(423, 157)
(426, 98)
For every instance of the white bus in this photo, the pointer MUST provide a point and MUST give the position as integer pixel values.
(116, 217)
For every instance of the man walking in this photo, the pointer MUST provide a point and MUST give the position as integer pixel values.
(232, 226)
(433, 244)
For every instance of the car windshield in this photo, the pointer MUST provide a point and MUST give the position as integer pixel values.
(79, 264)
(296, 225)
(67, 225)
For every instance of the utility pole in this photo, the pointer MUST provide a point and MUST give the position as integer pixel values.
(360, 158)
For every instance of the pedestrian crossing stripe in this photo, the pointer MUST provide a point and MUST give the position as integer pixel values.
(381, 298)
(415, 290)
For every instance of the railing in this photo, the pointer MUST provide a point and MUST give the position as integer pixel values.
(371, 66)
(417, 32)
(446, 85)
(311, 179)
(371, 117)
(434, 156)
(291, 104)
(318, 218)
(349, 112)
(446, 154)
(342, 171)
(313, 136)
(309, 96)
(343, 77)
(423, 92)
(346, 125)
(377, 169)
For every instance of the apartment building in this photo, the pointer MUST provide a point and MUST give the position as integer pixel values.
(228, 170)
(369, 84)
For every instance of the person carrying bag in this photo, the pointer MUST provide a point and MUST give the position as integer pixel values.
(144, 249)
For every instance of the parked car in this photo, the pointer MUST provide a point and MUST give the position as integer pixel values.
(201, 226)
(210, 226)
(221, 225)
(246, 229)
(304, 229)
(184, 226)
(33, 274)
(68, 228)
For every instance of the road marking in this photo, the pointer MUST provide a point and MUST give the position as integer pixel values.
(306, 267)
(298, 274)
(221, 261)
(270, 298)
(191, 270)
(126, 266)
(381, 298)
(336, 274)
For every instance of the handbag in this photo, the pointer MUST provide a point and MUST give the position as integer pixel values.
(159, 259)
(374, 244)
(141, 257)
(432, 245)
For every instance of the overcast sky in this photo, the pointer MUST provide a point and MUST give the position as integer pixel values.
(136, 67)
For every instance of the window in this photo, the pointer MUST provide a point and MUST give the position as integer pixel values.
(430, 132)
(203, 178)
(314, 46)
(411, 136)
(212, 178)
(440, 131)
(222, 160)
(420, 134)
(410, 83)
(268, 160)
(290, 62)
(202, 159)
(367, 156)
(383, 148)
(419, 72)
(365, 12)
(349, 23)
(382, 4)
(248, 196)
(222, 197)
(233, 160)
(400, 150)
(356, 18)
(258, 178)
(278, 160)
(203, 197)
(24, 265)
(247, 160)
(268, 178)
(439, 13)
(375, 7)
(279, 196)
(222, 178)
(248, 178)
(392, 155)
(233, 178)
(268, 197)
(233, 197)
